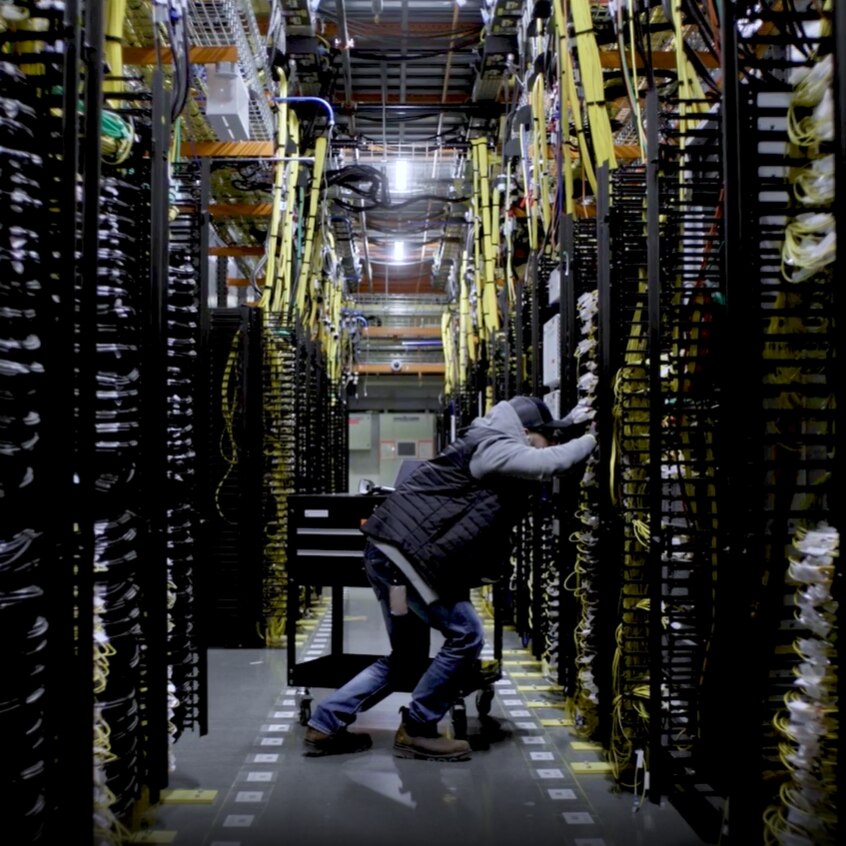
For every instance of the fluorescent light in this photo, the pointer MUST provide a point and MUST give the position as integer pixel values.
(401, 176)
(399, 250)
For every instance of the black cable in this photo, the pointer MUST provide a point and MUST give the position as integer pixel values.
(693, 10)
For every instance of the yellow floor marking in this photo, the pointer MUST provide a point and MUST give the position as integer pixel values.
(540, 688)
(587, 767)
(521, 662)
(557, 721)
(529, 674)
(174, 796)
(586, 746)
(542, 703)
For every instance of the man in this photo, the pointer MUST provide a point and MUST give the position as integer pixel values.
(444, 530)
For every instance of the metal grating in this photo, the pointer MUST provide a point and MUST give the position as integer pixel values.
(215, 23)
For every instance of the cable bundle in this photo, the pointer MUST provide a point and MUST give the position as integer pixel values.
(181, 336)
(117, 408)
(24, 308)
(23, 628)
(118, 671)
(807, 813)
(117, 363)
(549, 584)
(810, 117)
(810, 238)
(23, 298)
(279, 446)
(809, 245)
(629, 478)
(585, 699)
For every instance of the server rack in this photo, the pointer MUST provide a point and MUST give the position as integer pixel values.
(236, 468)
(779, 467)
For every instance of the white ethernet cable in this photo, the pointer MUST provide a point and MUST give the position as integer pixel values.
(804, 818)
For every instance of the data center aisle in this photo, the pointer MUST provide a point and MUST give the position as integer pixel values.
(247, 783)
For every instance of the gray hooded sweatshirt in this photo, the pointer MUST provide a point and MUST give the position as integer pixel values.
(452, 517)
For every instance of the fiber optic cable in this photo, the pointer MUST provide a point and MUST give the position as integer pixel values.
(304, 278)
(269, 294)
(573, 100)
(590, 71)
(114, 22)
(489, 312)
(629, 71)
(448, 341)
(806, 811)
(566, 106)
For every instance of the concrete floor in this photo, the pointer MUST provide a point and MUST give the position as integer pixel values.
(259, 790)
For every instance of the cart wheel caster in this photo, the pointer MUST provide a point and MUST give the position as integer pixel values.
(459, 721)
(305, 711)
(484, 698)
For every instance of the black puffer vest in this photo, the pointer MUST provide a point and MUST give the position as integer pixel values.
(453, 528)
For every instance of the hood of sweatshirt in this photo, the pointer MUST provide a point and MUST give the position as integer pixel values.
(502, 418)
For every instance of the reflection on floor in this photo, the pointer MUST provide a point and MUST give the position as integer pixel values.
(246, 783)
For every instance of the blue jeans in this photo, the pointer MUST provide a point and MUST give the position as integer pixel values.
(441, 682)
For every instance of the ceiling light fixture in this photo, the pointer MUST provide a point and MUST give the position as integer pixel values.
(399, 250)
(401, 176)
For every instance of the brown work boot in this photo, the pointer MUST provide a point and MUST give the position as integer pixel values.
(318, 743)
(416, 740)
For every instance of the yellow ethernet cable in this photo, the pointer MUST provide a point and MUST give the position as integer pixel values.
(590, 71)
(572, 97)
(320, 147)
(488, 310)
(447, 341)
(271, 280)
(565, 104)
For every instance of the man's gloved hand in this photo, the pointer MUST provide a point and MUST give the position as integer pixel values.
(577, 415)
(576, 421)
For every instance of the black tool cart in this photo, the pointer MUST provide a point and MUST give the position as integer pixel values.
(325, 550)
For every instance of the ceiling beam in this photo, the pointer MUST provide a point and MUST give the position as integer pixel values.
(661, 59)
(196, 55)
(236, 251)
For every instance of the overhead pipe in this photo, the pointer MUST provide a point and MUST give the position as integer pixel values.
(318, 100)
